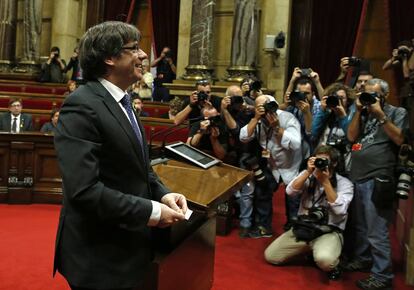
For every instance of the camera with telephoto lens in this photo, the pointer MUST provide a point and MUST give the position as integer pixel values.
(406, 171)
(317, 215)
(270, 107)
(367, 99)
(252, 163)
(202, 96)
(297, 96)
(332, 101)
(354, 61)
(321, 163)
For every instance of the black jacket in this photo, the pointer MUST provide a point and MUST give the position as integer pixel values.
(26, 123)
(103, 240)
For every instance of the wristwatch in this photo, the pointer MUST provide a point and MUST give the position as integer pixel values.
(383, 120)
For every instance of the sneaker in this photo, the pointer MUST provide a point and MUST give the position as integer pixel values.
(335, 274)
(244, 232)
(356, 266)
(260, 232)
(372, 283)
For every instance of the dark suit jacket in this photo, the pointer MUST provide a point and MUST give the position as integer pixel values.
(103, 240)
(26, 123)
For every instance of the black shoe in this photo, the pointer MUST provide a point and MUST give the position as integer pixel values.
(244, 232)
(372, 283)
(287, 226)
(335, 274)
(356, 266)
(260, 232)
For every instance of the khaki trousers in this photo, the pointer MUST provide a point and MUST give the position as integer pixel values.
(326, 249)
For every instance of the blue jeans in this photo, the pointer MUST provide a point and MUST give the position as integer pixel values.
(246, 204)
(371, 232)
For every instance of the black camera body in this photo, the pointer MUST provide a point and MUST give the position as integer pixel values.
(368, 99)
(332, 101)
(256, 86)
(403, 52)
(354, 61)
(271, 107)
(317, 215)
(297, 96)
(321, 163)
(202, 96)
(236, 100)
(215, 121)
(306, 72)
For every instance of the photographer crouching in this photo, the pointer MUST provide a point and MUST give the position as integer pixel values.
(325, 197)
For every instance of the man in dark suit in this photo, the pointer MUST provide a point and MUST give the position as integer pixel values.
(111, 196)
(14, 121)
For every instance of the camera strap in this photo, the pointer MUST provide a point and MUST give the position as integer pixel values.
(311, 190)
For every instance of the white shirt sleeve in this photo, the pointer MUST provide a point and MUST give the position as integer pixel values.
(345, 192)
(244, 137)
(291, 138)
(155, 214)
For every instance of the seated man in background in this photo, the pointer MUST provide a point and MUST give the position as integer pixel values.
(15, 121)
(198, 99)
(210, 135)
(325, 197)
(138, 105)
(50, 127)
(144, 86)
(53, 69)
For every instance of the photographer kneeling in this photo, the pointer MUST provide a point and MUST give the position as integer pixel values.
(323, 211)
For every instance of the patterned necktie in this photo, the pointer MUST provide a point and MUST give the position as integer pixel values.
(14, 125)
(126, 103)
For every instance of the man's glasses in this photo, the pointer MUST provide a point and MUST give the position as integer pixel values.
(134, 48)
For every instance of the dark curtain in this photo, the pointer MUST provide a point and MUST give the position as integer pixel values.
(117, 10)
(401, 20)
(325, 31)
(165, 19)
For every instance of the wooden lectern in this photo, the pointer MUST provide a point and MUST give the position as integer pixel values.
(185, 252)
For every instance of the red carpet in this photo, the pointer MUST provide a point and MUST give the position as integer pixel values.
(27, 235)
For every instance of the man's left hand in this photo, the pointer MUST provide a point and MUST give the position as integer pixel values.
(175, 201)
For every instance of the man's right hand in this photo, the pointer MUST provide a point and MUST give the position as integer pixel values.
(259, 112)
(225, 103)
(358, 104)
(169, 216)
(344, 64)
(193, 98)
(297, 73)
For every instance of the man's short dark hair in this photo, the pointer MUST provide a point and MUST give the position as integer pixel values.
(328, 150)
(365, 73)
(203, 83)
(103, 41)
(14, 100)
(53, 112)
(135, 96)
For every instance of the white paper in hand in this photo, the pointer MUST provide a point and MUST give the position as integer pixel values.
(188, 213)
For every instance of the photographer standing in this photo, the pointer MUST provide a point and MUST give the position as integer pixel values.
(376, 130)
(330, 124)
(325, 197)
(52, 70)
(278, 133)
(198, 99)
(209, 135)
(166, 71)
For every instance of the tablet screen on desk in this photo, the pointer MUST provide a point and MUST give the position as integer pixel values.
(192, 154)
